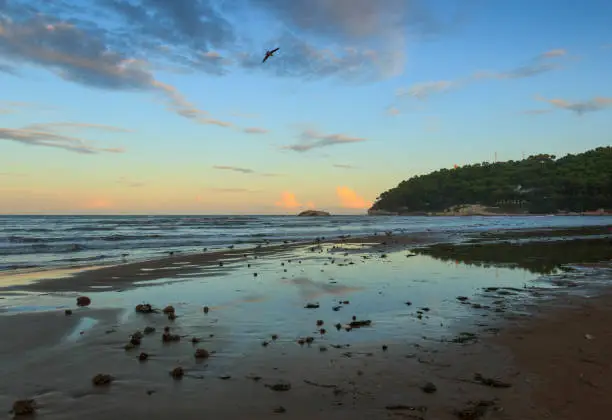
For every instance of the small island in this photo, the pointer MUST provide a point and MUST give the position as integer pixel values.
(313, 213)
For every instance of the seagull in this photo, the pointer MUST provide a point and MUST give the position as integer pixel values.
(269, 54)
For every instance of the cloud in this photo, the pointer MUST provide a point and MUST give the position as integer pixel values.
(311, 139)
(393, 111)
(288, 201)
(232, 190)
(580, 108)
(350, 200)
(359, 39)
(541, 63)
(48, 139)
(129, 183)
(75, 126)
(536, 111)
(86, 57)
(234, 168)
(255, 130)
(342, 166)
(8, 69)
(423, 90)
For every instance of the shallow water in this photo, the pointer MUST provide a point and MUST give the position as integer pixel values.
(245, 310)
(60, 241)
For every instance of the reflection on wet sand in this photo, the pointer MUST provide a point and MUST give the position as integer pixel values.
(310, 289)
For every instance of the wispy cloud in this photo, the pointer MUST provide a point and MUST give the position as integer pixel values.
(234, 169)
(342, 166)
(423, 90)
(231, 190)
(536, 111)
(351, 200)
(48, 139)
(81, 57)
(542, 63)
(255, 130)
(391, 110)
(580, 107)
(52, 127)
(129, 182)
(311, 139)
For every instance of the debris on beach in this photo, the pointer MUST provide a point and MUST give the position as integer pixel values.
(102, 379)
(225, 377)
(206, 309)
(68, 312)
(462, 298)
(588, 336)
(23, 407)
(465, 337)
(385, 347)
(195, 340)
(493, 383)
(168, 310)
(83, 301)
(171, 316)
(311, 306)
(177, 373)
(143, 356)
(149, 330)
(429, 388)
(319, 322)
(337, 308)
(279, 386)
(408, 303)
(144, 308)
(201, 354)
(274, 336)
(265, 343)
(280, 409)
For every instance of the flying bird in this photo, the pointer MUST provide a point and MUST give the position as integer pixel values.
(269, 54)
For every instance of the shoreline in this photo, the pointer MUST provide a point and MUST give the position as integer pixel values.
(335, 377)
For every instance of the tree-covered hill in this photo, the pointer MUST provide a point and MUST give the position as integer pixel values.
(537, 184)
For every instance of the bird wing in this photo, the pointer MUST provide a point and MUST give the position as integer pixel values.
(276, 49)
(265, 58)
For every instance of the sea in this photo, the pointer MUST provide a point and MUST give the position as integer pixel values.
(32, 242)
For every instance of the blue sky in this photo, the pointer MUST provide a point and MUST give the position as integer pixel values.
(160, 106)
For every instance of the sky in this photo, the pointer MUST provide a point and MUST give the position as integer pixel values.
(165, 106)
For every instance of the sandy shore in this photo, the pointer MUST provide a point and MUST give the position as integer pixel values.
(549, 353)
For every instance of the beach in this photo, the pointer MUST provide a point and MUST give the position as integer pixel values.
(511, 324)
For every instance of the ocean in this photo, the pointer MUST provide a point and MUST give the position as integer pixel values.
(69, 241)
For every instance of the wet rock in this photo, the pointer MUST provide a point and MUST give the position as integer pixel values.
(102, 379)
(280, 409)
(319, 322)
(465, 337)
(167, 337)
(168, 310)
(429, 388)
(345, 302)
(359, 324)
(68, 312)
(201, 354)
(322, 331)
(476, 306)
(143, 356)
(311, 306)
(462, 298)
(493, 383)
(144, 308)
(279, 386)
(475, 410)
(195, 340)
(129, 346)
(225, 377)
(83, 301)
(408, 303)
(322, 349)
(172, 316)
(338, 326)
(177, 373)
(274, 336)
(384, 347)
(337, 308)
(138, 335)
(419, 408)
(149, 330)
(254, 274)
(309, 340)
(265, 343)
(23, 407)
(206, 309)
(135, 340)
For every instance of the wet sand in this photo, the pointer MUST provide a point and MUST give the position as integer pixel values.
(537, 345)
